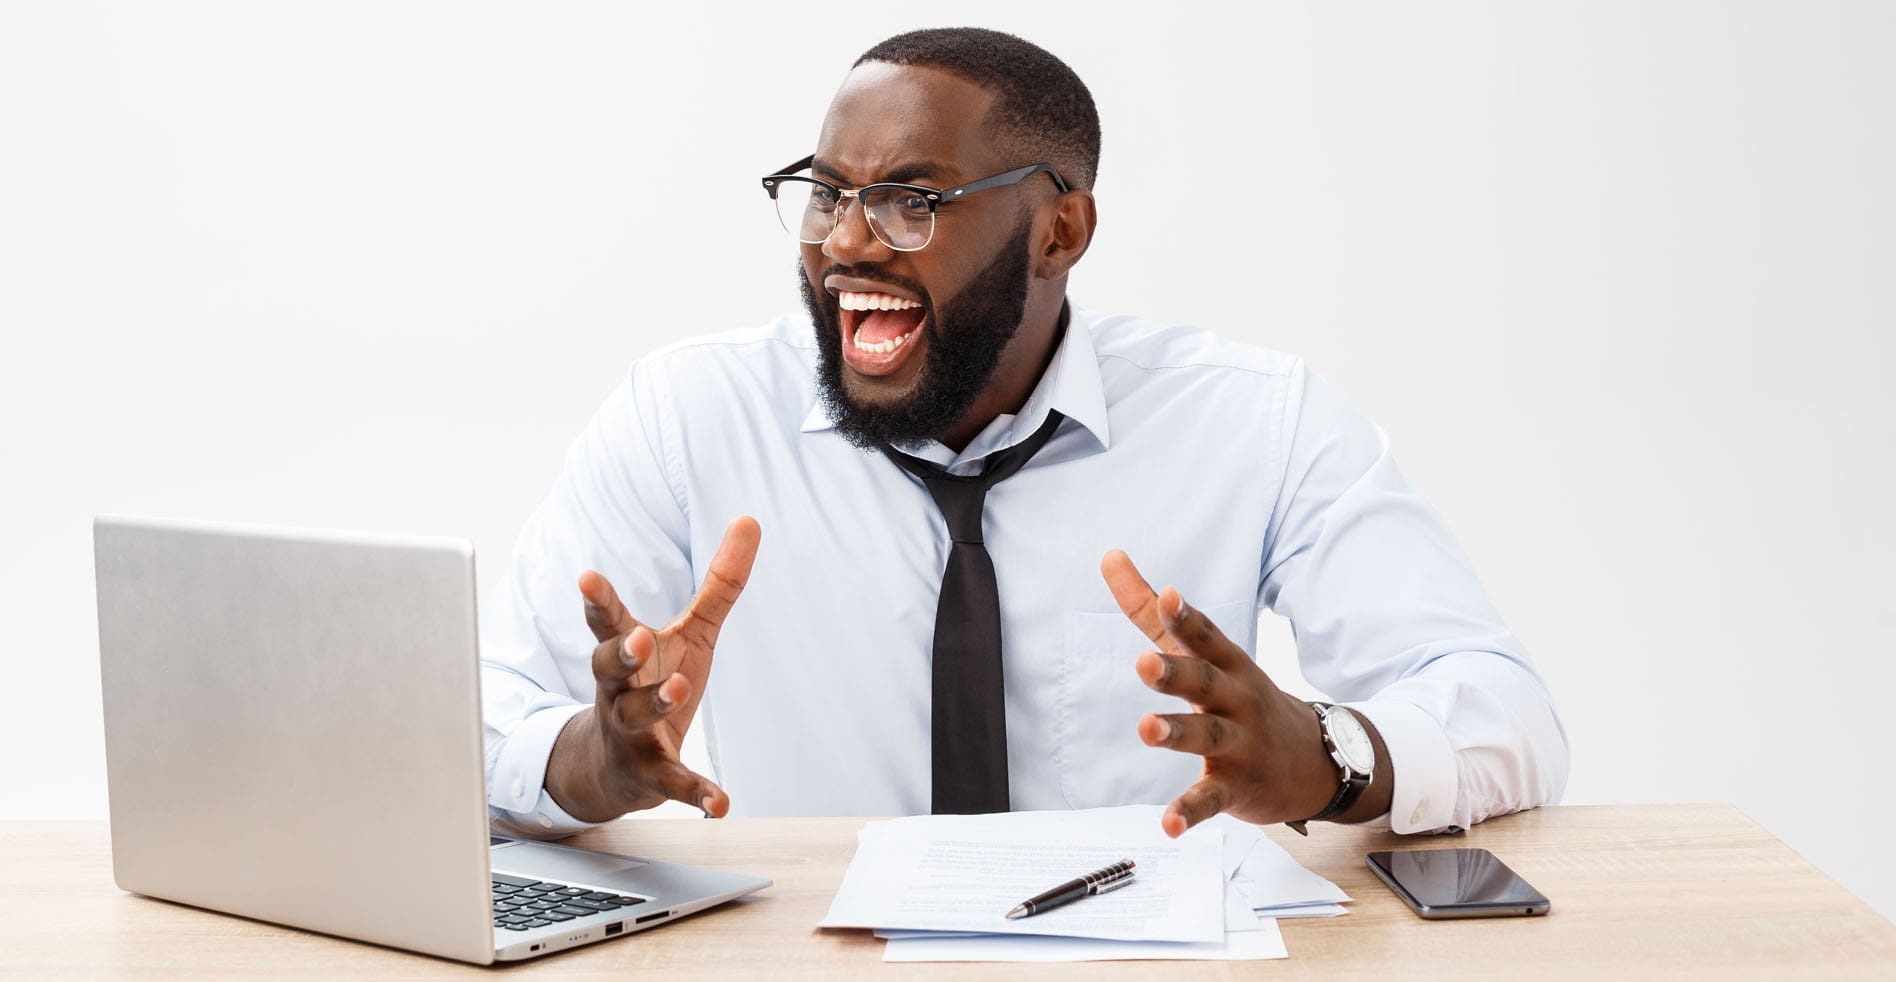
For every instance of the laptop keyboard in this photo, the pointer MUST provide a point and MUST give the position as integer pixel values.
(521, 904)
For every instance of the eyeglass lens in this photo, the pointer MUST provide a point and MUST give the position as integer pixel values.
(898, 217)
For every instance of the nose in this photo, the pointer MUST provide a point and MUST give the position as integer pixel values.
(852, 242)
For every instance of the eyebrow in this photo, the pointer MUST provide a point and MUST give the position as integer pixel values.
(901, 174)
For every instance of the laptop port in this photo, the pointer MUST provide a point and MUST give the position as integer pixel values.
(614, 928)
(652, 917)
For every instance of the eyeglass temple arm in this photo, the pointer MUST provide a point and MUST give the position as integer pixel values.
(1014, 176)
(793, 168)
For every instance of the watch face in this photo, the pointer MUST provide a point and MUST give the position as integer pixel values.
(1352, 741)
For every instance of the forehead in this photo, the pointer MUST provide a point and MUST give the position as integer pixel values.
(888, 119)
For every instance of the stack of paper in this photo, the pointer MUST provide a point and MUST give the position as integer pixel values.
(938, 888)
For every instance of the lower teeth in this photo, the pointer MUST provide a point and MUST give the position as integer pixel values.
(877, 348)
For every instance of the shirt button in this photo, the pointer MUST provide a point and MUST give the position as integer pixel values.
(519, 787)
(1421, 808)
(545, 822)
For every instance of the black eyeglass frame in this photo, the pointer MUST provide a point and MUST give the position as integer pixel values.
(936, 197)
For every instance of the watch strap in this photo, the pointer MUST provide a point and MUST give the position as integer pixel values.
(1352, 789)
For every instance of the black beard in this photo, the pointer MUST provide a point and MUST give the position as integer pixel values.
(965, 341)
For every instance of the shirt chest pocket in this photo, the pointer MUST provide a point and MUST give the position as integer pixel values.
(1101, 760)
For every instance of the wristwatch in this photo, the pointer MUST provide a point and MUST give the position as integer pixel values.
(1349, 746)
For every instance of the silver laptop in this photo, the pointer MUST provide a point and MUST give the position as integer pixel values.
(293, 733)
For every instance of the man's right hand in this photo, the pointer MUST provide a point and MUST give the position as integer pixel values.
(621, 754)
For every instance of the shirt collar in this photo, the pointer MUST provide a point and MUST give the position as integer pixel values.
(1071, 384)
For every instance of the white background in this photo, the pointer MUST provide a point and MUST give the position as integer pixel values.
(1616, 277)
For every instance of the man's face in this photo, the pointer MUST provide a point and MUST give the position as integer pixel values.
(945, 313)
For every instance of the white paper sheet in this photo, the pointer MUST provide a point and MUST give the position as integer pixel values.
(1256, 883)
(1238, 913)
(1238, 917)
(964, 872)
(1302, 910)
(1270, 877)
(1262, 941)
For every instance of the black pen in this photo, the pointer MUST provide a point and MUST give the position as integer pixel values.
(1099, 881)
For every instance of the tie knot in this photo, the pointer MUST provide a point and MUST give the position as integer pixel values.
(960, 498)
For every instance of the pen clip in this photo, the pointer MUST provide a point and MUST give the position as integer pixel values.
(1110, 881)
(1112, 872)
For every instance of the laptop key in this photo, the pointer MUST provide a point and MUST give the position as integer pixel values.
(597, 895)
(513, 927)
(590, 904)
(627, 901)
(578, 911)
(572, 892)
(554, 915)
(537, 922)
(514, 881)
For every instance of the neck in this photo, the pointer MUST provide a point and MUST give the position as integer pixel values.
(1022, 364)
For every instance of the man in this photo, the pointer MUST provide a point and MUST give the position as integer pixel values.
(941, 454)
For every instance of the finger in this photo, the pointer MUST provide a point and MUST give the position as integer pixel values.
(607, 617)
(642, 707)
(1194, 680)
(1204, 734)
(730, 569)
(1201, 801)
(1135, 597)
(616, 661)
(680, 783)
(1197, 635)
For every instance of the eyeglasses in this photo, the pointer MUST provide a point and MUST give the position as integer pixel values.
(902, 216)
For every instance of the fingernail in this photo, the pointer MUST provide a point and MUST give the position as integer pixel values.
(1171, 730)
(705, 803)
(664, 704)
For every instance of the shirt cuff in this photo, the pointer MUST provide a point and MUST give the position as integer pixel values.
(517, 797)
(1423, 762)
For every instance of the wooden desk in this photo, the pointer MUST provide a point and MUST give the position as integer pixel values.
(1637, 891)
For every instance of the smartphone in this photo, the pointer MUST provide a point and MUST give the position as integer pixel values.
(1446, 883)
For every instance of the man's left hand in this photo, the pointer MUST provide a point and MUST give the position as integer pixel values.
(1263, 748)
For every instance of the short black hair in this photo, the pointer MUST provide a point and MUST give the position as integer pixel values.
(1043, 111)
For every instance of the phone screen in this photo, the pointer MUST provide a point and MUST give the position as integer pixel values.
(1436, 880)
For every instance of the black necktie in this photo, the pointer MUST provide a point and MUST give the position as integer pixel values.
(969, 714)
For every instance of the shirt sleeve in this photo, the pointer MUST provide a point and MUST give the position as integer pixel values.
(1392, 622)
(618, 508)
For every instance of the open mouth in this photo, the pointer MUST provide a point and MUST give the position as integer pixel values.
(879, 330)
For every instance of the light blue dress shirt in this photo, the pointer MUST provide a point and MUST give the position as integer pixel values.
(1227, 470)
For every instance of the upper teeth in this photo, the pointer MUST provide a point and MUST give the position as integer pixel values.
(873, 301)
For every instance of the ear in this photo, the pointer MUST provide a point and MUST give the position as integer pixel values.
(1064, 228)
